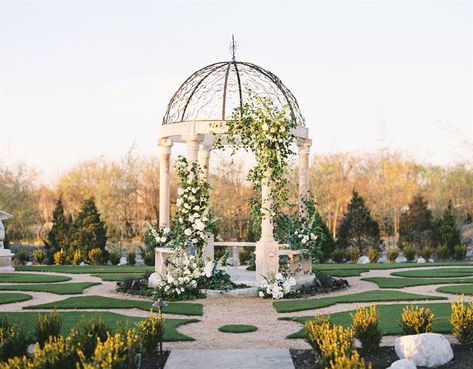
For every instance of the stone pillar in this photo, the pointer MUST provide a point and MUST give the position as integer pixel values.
(304, 151)
(165, 146)
(193, 147)
(204, 159)
(5, 254)
(267, 260)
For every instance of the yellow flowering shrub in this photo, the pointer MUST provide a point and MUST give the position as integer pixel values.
(59, 257)
(416, 320)
(366, 326)
(152, 332)
(314, 328)
(352, 361)
(461, 320)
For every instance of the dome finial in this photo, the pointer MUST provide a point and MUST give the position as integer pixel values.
(233, 47)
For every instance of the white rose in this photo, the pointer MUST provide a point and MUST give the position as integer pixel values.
(265, 127)
(180, 191)
(279, 277)
(261, 294)
(195, 240)
(194, 190)
(282, 129)
(163, 239)
(166, 230)
(272, 130)
(197, 208)
(188, 232)
(179, 202)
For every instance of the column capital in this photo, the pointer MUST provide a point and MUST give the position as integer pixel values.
(191, 137)
(204, 150)
(165, 146)
(304, 145)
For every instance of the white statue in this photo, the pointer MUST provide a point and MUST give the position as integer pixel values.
(5, 255)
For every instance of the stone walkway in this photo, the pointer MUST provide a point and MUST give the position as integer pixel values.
(230, 359)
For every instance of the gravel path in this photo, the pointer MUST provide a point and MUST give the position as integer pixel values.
(271, 331)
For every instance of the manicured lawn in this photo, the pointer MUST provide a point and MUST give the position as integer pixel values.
(463, 289)
(58, 289)
(436, 273)
(237, 328)
(389, 316)
(345, 272)
(387, 282)
(116, 277)
(6, 298)
(326, 267)
(69, 319)
(89, 269)
(100, 302)
(31, 278)
(369, 296)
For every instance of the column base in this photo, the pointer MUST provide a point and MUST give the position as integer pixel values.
(267, 260)
(5, 261)
(153, 280)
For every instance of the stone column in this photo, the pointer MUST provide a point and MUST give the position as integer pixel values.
(204, 159)
(304, 151)
(193, 147)
(267, 260)
(5, 254)
(165, 146)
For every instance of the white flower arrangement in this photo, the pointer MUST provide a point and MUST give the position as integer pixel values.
(277, 286)
(162, 235)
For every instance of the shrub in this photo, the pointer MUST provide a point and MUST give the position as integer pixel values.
(57, 353)
(39, 256)
(462, 322)
(59, 257)
(426, 253)
(114, 257)
(337, 255)
(131, 258)
(349, 362)
(151, 333)
(48, 325)
(409, 252)
(95, 256)
(460, 252)
(366, 326)
(416, 320)
(355, 253)
(245, 255)
(442, 252)
(373, 254)
(89, 331)
(76, 257)
(148, 258)
(23, 256)
(329, 341)
(393, 253)
(13, 340)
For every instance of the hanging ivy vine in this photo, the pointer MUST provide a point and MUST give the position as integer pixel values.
(264, 130)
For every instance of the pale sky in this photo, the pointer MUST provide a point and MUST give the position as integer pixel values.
(81, 79)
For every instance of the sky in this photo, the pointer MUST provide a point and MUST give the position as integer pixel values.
(84, 79)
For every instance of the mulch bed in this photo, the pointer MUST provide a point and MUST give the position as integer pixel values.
(384, 357)
(154, 361)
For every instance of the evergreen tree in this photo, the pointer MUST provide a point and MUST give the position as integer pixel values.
(357, 226)
(448, 232)
(88, 230)
(416, 225)
(58, 236)
(327, 244)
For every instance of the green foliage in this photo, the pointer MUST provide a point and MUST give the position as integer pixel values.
(13, 339)
(48, 325)
(114, 257)
(373, 254)
(131, 258)
(58, 236)
(39, 256)
(388, 282)
(415, 320)
(460, 252)
(337, 255)
(410, 252)
(358, 226)
(89, 332)
(448, 231)
(416, 226)
(237, 328)
(23, 256)
(442, 252)
(366, 326)
(95, 256)
(151, 332)
(354, 253)
(426, 252)
(246, 255)
(393, 253)
(57, 288)
(462, 322)
(148, 258)
(88, 230)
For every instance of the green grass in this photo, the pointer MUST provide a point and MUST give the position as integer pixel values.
(436, 273)
(237, 328)
(69, 319)
(369, 296)
(100, 302)
(387, 282)
(389, 317)
(344, 266)
(463, 289)
(90, 269)
(31, 278)
(116, 277)
(344, 272)
(58, 289)
(7, 298)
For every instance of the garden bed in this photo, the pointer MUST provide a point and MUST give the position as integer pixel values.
(383, 357)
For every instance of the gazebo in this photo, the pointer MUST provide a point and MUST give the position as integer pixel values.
(205, 101)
